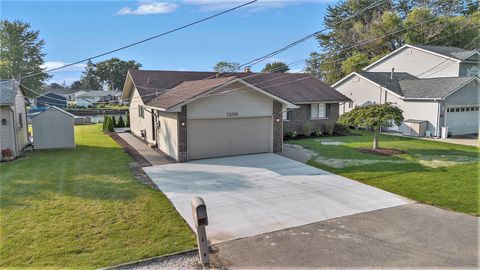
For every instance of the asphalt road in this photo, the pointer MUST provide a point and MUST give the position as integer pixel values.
(413, 235)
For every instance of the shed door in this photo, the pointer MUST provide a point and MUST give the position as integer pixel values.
(463, 120)
(227, 137)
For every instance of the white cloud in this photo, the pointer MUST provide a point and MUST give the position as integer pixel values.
(56, 64)
(208, 5)
(148, 7)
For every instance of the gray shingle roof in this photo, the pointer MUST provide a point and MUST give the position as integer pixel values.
(411, 87)
(8, 92)
(384, 79)
(432, 87)
(453, 52)
(293, 87)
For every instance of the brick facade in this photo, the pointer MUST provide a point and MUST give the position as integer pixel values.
(182, 135)
(298, 118)
(277, 127)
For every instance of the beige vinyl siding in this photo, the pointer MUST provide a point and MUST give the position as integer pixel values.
(167, 133)
(242, 101)
(6, 132)
(137, 123)
(53, 129)
(418, 63)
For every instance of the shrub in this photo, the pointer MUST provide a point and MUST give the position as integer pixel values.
(7, 152)
(127, 122)
(114, 121)
(110, 126)
(317, 132)
(291, 134)
(341, 129)
(120, 122)
(104, 126)
(306, 129)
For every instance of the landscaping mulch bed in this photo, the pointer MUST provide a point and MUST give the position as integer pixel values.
(140, 161)
(382, 151)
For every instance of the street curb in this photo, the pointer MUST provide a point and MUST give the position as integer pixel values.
(152, 259)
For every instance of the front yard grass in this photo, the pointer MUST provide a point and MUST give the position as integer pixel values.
(82, 208)
(436, 173)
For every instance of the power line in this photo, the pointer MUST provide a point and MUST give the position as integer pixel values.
(143, 40)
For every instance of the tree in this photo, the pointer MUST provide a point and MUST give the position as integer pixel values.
(373, 116)
(89, 79)
(224, 66)
(120, 123)
(55, 86)
(21, 53)
(355, 43)
(114, 71)
(76, 85)
(114, 121)
(109, 126)
(276, 67)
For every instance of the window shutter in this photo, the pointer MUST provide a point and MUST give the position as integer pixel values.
(327, 110)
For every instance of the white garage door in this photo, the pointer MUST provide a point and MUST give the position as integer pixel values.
(462, 120)
(227, 137)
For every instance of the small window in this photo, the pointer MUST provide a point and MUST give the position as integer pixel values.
(140, 111)
(318, 110)
(457, 109)
(477, 108)
(350, 104)
(463, 109)
(467, 109)
(20, 120)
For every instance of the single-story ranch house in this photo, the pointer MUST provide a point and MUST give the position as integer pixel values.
(193, 115)
(13, 117)
(435, 85)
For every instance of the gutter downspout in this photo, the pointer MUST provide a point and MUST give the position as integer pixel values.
(437, 131)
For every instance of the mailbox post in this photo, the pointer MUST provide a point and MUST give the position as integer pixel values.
(200, 219)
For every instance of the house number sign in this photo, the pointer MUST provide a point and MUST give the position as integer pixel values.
(232, 114)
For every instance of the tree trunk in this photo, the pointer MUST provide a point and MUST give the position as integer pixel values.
(375, 139)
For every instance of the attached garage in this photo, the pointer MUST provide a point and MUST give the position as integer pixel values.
(53, 129)
(463, 120)
(231, 137)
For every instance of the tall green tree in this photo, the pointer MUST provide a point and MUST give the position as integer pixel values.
(373, 116)
(76, 85)
(89, 78)
(224, 66)
(21, 53)
(113, 72)
(276, 67)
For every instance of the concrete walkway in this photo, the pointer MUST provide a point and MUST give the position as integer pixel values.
(146, 151)
(296, 152)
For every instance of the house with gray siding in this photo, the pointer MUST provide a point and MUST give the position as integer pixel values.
(194, 115)
(13, 118)
(434, 84)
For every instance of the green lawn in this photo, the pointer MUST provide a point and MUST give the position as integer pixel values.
(82, 209)
(440, 174)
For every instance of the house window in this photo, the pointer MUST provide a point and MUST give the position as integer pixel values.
(141, 111)
(318, 110)
(350, 104)
(20, 120)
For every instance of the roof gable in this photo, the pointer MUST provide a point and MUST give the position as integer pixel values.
(55, 108)
(8, 91)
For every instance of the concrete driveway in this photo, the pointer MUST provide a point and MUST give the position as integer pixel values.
(254, 194)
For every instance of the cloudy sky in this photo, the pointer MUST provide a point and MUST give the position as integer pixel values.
(75, 30)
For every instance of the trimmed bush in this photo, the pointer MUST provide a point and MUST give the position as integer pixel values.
(114, 121)
(104, 126)
(291, 134)
(110, 126)
(120, 122)
(317, 132)
(127, 122)
(341, 129)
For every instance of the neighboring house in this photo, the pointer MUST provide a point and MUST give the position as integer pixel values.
(410, 79)
(53, 129)
(90, 98)
(192, 115)
(50, 99)
(13, 125)
(425, 61)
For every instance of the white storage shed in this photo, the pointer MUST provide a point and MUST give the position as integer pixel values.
(52, 129)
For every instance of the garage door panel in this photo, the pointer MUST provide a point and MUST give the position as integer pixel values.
(466, 122)
(226, 137)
